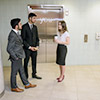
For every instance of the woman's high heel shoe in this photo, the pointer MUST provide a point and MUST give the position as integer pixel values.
(61, 79)
(57, 78)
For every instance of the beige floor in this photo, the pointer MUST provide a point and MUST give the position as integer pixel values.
(81, 83)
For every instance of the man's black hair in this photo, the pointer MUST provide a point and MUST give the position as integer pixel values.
(31, 15)
(15, 22)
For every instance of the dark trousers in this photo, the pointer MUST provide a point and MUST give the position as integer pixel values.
(33, 55)
(16, 66)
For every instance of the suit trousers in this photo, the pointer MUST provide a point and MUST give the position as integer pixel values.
(33, 55)
(16, 66)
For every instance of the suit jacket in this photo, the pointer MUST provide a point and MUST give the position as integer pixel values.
(15, 46)
(30, 37)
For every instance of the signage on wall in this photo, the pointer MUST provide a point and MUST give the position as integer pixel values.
(66, 11)
(97, 36)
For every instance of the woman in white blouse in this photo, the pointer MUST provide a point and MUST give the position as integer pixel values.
(63, 39)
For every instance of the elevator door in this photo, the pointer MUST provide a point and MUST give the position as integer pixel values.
(47, 27)
(47, 48)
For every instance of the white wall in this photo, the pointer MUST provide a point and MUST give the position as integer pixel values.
(84, 18)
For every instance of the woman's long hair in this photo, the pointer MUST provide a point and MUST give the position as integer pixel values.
(64, 27)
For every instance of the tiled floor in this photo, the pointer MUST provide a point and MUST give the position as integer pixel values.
(80, 83)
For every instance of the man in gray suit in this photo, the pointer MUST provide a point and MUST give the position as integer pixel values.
(16, 52)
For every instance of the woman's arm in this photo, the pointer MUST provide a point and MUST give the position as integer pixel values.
(67, 41)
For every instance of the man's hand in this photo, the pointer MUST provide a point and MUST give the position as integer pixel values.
(33, 48)
(36, 48)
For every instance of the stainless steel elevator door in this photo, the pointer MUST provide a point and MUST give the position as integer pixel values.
(47, 29)
(47, 48)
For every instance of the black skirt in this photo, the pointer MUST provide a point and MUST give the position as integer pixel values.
(61, 54)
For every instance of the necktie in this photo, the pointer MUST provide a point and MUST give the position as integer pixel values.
(31, 26)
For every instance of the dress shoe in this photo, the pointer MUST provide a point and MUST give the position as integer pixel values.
(61, 79)
(30, 86)
(17, 90)
(37, 77)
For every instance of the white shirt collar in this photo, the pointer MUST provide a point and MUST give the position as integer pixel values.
(15, 30)
(29, 24)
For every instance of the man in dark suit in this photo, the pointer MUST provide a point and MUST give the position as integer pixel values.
(16, 52)
(30, 37)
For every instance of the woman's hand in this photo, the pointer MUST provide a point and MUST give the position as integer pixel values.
(58, 41)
